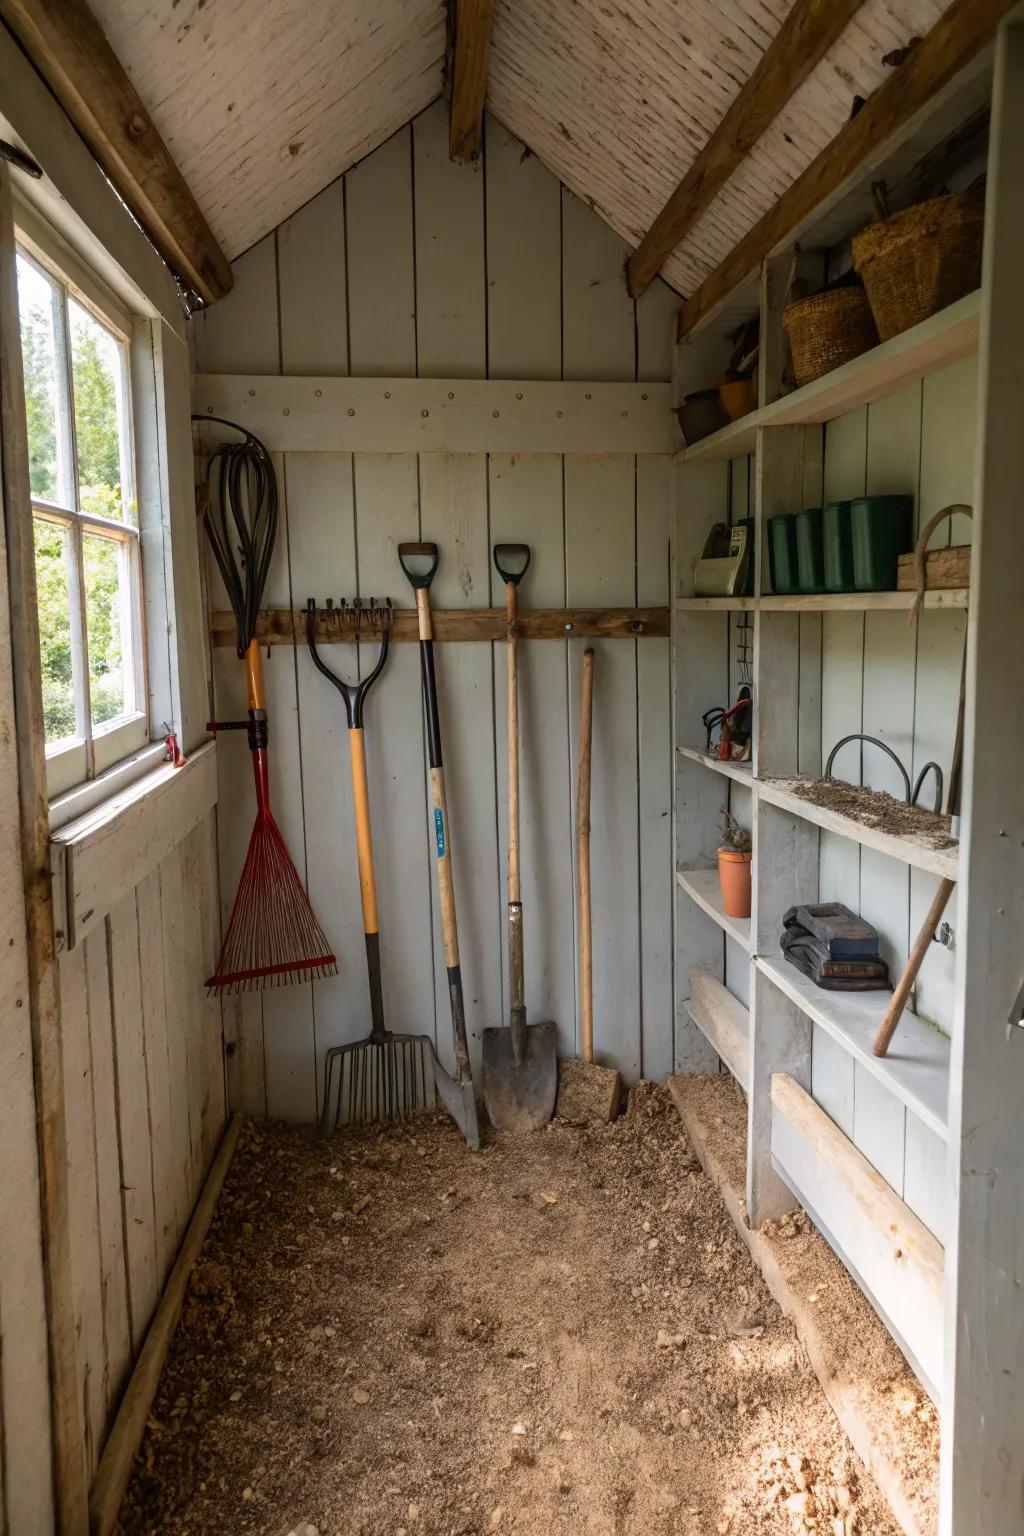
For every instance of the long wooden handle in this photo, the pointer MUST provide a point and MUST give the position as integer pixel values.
(894, 1012)
(512, 653)
(583, 855)
(254, 676)
(364, 838)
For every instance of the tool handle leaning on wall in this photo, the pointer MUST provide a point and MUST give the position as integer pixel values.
(583, 856)
(420, 577)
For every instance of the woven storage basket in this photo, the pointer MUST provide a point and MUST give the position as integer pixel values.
(827, 330)
(918, 261)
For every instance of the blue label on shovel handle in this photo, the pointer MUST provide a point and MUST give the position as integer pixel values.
(439, 831)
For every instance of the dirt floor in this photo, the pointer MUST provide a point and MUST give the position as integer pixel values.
(387, 1336)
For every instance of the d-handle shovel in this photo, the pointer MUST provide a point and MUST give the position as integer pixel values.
(520, 1064)
(419, 562)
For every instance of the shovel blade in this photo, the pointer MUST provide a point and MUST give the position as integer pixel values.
(458, 1100)
(520, 1095)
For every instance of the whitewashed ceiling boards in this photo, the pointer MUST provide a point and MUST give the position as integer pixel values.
(262, 106)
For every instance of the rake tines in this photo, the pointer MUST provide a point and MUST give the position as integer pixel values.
(273, 937)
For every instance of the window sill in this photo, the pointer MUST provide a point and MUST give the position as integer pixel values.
(101, 855)
(86, 796)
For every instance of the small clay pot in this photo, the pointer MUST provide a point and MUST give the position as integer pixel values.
(734, 878)
(737, 397)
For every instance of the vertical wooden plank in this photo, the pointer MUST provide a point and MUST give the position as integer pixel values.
(524, 252)
(982, 1468)
(654, 504)
(526, 504)
(879, 1126)
(313, 288)
(451, 320)
(598, 316)
(241, 334)
(600, 543)
(453, 512)
(168, 1217)
(211, 1013)
(832, 1079)
(324, 565)
(948, 438)
(381, 263)
(131, 1090)
(924, 1176)
(387, 512)
(113, 1277)
(382, 323)
(201, 1012)
(172, 939)
(83, 1202)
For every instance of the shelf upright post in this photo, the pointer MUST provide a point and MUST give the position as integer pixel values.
(788, 468)
(982, 1462)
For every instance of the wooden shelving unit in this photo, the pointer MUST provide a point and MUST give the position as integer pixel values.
(935, 343)
(797, 1149)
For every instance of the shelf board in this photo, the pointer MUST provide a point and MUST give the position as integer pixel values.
(722, 1020)
(702, 886)
(924, 349)
(824, 602)
(741, 772)
(916, 1070)
(904, 847)
(716, 604)
(859, 602)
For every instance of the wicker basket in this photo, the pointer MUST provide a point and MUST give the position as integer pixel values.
(827, 330)
(918, 261)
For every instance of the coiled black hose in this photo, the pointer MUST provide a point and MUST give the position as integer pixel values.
(241, 522)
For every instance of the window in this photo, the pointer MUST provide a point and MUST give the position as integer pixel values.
(82, 478)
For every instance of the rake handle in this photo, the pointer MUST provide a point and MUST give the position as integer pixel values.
(583, 847)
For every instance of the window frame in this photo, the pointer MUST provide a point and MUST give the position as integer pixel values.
(93, 749)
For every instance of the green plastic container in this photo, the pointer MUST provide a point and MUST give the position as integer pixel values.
(837, 546)
(782, 557)
(809, 558)
(882, 529)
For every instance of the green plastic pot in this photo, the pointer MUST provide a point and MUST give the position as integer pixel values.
(881, 529)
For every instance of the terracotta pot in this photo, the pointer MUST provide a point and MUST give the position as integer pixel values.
(737, 397)
(734, 878)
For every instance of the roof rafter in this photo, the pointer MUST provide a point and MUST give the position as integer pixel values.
(963, 29)
(70, 50)
(471, 46)
(800, 44)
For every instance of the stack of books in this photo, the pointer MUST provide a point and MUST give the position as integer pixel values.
(834, 947)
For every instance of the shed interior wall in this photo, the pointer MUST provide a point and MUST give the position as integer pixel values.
(412, 264)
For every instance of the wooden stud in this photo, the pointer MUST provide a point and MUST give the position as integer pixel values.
(471, 48)
(71, 52)
(961, 32)
(806, 35)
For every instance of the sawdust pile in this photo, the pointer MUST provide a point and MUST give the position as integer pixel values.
(389, 1336)
(874, 808)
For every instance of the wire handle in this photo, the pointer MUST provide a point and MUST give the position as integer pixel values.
(512, 561)
(416, 576)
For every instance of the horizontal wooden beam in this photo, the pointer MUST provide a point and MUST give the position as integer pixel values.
(806, 35)
(964, 28)
(470, 53)
(285, 626)
(70, 50)
(339, 415)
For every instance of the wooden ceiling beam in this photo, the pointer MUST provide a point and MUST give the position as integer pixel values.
(471, 46)
(800, 44)
(964, 28)
(70, 50)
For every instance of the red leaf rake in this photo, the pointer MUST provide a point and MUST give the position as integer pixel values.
(273, 936)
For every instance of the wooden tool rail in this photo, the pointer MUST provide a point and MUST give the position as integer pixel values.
(286, 626)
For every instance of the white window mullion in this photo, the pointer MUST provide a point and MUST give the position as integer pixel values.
(79, 641)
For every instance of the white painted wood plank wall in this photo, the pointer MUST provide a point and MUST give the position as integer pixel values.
(410, 266)
(145, 1105)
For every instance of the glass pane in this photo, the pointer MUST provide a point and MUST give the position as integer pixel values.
(55, 630)
(45, 392)
(101, 429)
(106, 622)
